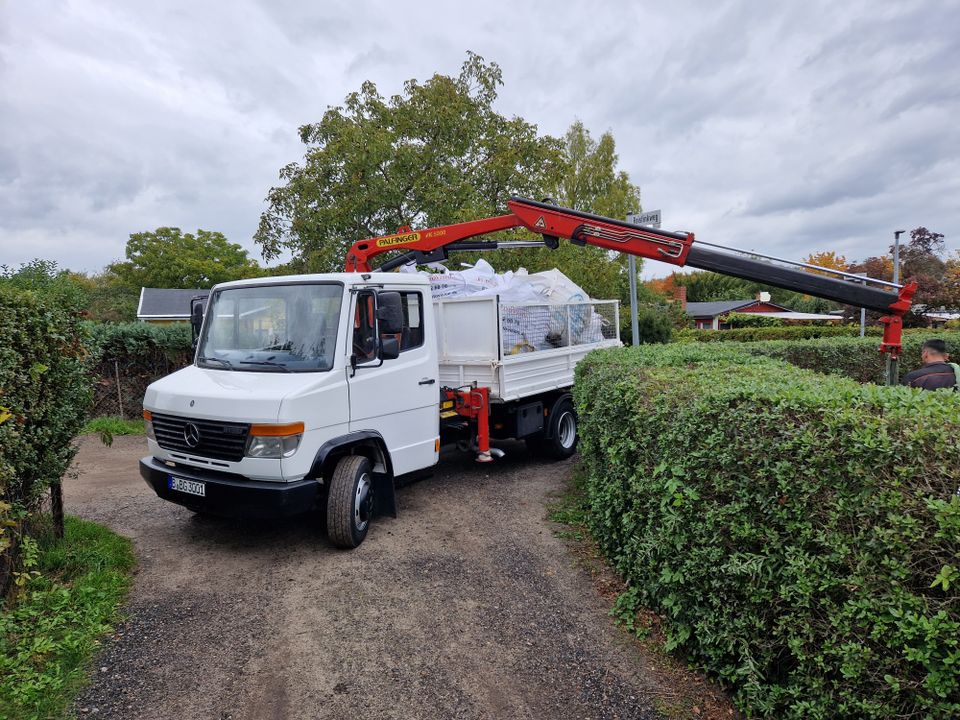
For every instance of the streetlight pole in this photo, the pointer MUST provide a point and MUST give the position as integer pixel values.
(892, 365)
(896, 254)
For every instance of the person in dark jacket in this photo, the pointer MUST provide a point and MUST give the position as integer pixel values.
(937, 372)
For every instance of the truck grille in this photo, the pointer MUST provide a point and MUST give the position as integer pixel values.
(208, 438)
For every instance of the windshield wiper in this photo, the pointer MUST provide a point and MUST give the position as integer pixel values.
(271, 363)
(226, 363)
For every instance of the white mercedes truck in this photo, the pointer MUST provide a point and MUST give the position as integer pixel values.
(322, 392)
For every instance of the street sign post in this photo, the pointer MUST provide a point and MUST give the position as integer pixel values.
(651, 217)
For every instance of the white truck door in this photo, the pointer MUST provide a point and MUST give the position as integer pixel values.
(398, 398)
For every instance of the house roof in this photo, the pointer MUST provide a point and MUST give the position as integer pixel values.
(721, 307)
(712, 309)
(167, 302)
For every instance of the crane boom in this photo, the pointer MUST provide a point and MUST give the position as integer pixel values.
(552, 222)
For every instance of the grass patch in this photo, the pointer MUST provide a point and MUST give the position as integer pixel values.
(112, 426)
(571, 508)
(50, 632)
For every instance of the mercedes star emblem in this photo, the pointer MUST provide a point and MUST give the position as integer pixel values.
(191, 435)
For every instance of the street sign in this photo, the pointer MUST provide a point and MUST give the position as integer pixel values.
(650, 217)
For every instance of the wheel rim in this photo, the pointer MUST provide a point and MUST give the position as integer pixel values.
(567, 430)
(362, 503)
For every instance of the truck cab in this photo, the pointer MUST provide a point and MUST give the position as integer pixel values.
(304, 390)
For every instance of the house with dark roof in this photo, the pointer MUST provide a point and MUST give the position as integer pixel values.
(167, 305)
(710, 315)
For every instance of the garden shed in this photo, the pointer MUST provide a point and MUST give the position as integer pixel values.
(167, 305)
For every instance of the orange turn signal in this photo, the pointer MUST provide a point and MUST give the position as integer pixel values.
(277, 430)
(147, 415)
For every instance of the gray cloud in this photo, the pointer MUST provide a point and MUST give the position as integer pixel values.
(789, 127)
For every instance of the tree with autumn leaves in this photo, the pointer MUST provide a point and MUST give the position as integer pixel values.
(923, 260)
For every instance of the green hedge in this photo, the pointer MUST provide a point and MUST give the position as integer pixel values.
(135, 340)
(44, 395)
(799, 532)
(785, 332)
(137, 353)
(853, 357)
(856, 358)
(794, 332)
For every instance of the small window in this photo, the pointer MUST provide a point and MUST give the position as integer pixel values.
(412, 335)
(364, 329)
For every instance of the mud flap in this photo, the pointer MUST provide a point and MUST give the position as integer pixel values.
(384, 497)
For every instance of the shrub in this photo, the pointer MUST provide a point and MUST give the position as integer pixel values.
(133, 354)
(795, 332)
(44, 395)
(654, 324)
(747, 320)
(799, 532)
(785, 332)
(855, 358)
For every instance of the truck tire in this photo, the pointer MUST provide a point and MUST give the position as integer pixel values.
(350, 502)
(563, 431)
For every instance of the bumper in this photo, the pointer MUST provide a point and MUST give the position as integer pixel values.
(232, 496)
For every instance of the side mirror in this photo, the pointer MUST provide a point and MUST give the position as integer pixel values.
(389, 348)
(196, 317)
(389, 313)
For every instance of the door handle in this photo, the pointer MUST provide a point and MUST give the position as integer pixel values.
(428, 381)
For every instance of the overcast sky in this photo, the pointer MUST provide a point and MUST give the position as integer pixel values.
(785, 127)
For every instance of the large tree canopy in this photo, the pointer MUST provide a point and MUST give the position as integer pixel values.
(589, 181)
(167, 258)
(436, 154)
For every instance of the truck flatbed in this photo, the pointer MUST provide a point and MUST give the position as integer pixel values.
(519, 350)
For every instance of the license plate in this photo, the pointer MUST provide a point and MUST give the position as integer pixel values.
(191, 487)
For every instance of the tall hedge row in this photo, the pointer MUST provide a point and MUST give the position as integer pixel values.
(856, 358)
(783, 332)
(799, 532)
(126, 357)
(44, 395)
(794, 332)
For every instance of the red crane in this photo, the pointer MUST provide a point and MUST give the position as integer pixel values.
(552, 222)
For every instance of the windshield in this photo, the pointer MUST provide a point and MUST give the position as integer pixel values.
(272, 328)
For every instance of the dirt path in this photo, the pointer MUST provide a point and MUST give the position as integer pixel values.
(466, 606)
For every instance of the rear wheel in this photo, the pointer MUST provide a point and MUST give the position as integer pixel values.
(563, 431)
(350, 502)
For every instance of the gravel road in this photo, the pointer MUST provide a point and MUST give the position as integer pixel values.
(465, 606)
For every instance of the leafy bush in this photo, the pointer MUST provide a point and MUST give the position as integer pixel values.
(785, 332)
(44, 395)
(796, 332)
(653, 325)
(136, 354)
(45, 280)
(137, 340)
(746, 320)
(799, 532)
(855, 358)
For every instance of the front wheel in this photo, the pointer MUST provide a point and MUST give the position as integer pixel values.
(350, 502)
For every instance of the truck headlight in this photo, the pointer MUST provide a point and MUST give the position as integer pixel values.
(274, 441)
(148, 425)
